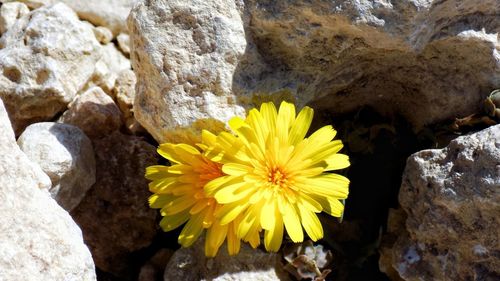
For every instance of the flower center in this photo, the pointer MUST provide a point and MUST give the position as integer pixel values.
(276, 176)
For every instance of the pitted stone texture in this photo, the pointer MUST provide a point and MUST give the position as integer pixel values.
(108, 13)
(38, 239)
(114, 216)
(45, 59)
(184, 54)
(451, 199)
(66, 155)
(250, 264)
(9, 13)
(94, 112)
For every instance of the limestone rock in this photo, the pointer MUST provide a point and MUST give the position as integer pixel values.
(45, 59)
(9, 13)
(124, 43)
(38, 239)
(66, 155)
(124, 92)
(110, 13)
(451, 199)
(103, 34)
(114, 216)
(108, 68)
(250, 264)
(94, 112)
(184, 55)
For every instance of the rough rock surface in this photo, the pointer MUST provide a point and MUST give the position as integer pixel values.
(103, 34)
(123, 40)
(9, 13)
(38, 239)
(250, 264)
(124, 92)
(425, 60)
(66, 155)
(185, 55)
(94, 112)
(108, 68)
(45, 58)
(451, 198)
(109, 13)
(114, 216)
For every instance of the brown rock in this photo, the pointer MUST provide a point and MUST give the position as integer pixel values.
(114, 216)
(93, 112)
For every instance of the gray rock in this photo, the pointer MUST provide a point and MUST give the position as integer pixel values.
(38, 239)
(451, 198)
(94, 112)
(66, 155)
(45, 59)
(185, 62)
(427, 61)
(114, 215)
(250, 264)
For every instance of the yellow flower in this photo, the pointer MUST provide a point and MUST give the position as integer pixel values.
(276, 178)
(178, 192)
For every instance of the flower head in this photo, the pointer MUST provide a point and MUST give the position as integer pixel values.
(178, 192)
(275, 178)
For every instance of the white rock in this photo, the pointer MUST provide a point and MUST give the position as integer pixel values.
(106, 71)
(109, 13)
(103, 34)
(9, 13)
(124, 92)
(64, 153)
(185, 62)
(46, 58)
(38, 239)
(124, 43)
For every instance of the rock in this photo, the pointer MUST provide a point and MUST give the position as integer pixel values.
(427, 61)
(94, 112)
(250, 264)
(9, 13)
(184, 62)
(38, 239)
(114, 216)
(103, 34)
(66, 155)
(108, 68)
(124, 92)
(451, 199)
(154, 268)
(45, 59)
(111, 13)
(124, 43)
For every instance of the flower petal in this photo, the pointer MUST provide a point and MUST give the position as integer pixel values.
(274, 235)
(301, 125)
(292, 222)
(191, 230)
(337, 161)
(311, 224)
(169, 223)
(214, 238)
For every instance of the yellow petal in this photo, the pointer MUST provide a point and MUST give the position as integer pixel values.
(311, 224)
(228, 212)
(274, 236)
(180, 169)
(235, 123)
(235, 169)
(169, 223)
(234, 192)
(178, 205)
(191, 230)
(269, 114)
(208, 138)
(214, 238)
(233, 242)
(157, 172)
(337, 162)
(286, 116)
(162, 185)
(323, 135)
(292, 223)
(168, 152)
(216, 184)
(329, 185)
(331, 206)
(301, 125)
(158, 201)
(267, 220)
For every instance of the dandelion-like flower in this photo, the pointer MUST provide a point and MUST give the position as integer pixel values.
(275, 178)
(178, 192)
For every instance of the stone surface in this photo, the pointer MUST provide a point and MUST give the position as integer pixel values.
(108, 68)
(123, 40)
(94, 112)
(184, 55)
(38, 239)
(250, 264)
(114, 216)
(427, 61)
(451, 200)
(45, 59)
(109, 13)
(124, 92)
(66, 155)
(153, 270)
(9, 13)
(103, 34)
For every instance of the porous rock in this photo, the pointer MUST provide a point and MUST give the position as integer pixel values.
(184, 55)
(94, 112)
(9, 13)
(38, 239)
(114, 216)
(45, 59)
(450, 198)
(66, 155)
(110, 13)
(250, 264)
(427, 61)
